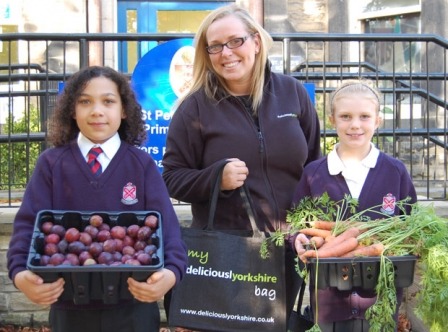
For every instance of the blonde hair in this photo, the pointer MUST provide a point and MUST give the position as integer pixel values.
(357, 87)
(204, 75)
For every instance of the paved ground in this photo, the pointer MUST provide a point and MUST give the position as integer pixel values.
(184, 213)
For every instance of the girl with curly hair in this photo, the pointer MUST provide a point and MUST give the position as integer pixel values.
(97, 110)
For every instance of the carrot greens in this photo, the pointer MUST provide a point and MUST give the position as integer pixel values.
(380, 314)
(421, 233)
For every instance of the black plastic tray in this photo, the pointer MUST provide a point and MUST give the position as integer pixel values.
(93, 282)
(359, 272)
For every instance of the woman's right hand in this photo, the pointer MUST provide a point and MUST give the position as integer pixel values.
(234, 174)
(36, 290)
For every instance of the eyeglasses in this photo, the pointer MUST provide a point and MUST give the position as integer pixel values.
(231, 44)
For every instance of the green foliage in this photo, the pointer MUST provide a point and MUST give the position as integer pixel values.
(17, 160)
(433, 296)
(380, 314)
(321, 208)
(421, 233)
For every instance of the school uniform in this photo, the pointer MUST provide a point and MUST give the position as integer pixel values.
(379, 181)
(130, 181)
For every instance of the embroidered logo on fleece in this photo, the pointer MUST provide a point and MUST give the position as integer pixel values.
(129, 194)
(388, 206)
(292, 115)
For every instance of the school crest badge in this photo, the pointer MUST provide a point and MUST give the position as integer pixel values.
(388, 206)
(129, 194)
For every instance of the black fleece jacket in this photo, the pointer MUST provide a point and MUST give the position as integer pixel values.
(205, 132)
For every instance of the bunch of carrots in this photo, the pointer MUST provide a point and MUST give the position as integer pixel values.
(328, 239)
(421, 233)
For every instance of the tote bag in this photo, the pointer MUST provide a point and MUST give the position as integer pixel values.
(228, 286)
(301, 321)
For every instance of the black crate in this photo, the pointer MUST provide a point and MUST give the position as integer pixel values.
(359, 272)
(93, 282)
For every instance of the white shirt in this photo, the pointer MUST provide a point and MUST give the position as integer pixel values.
(355, 173)
(110, 148)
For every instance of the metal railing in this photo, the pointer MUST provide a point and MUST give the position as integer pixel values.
(409, 70)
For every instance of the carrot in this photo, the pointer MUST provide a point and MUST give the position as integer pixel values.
(315, 232)
(321, 224)
(330, 238)
(348, 233)
(333, 251)
(372, 250)
(317, 241)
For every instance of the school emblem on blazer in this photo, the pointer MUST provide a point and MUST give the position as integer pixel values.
(129, 194)
(388, 206)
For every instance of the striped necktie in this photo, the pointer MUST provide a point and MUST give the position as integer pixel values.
(93, 162)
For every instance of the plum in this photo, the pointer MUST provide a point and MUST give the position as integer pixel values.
(144, 233)
(52, 238)
(125, 258)
(133, 261)
(118, 232)
(85, 238)
(132, 231)
(150, 249)
(76, 247)
(105, 258)
(96, 220)
(72, 234)
(92, 230)
(83, 256)
(118, 245)
(59, 230)
(44, 259)
(117, 256)
(128, 250)
(56, 259)
(103, 235)
(95, 249)
(62, 246)
(139, 245)
(110, 245)
(151, 221)
(73, 259)
(144, 258)
(104, 226)
(128, 241)
(89, 261)
(46, 227)
(50, 249)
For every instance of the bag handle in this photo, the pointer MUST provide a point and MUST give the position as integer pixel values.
(244, 192)
(301, 294)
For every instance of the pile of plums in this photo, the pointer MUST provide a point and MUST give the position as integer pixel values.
(99, 243)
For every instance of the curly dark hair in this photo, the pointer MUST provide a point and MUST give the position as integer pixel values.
(62, 126)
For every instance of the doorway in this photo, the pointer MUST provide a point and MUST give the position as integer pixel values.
(157, 17)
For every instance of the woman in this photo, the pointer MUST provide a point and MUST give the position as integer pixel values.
(238, 110)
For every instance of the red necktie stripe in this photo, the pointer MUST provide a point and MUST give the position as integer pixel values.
(93, 162)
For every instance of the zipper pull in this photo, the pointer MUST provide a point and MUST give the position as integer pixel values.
(260, 139)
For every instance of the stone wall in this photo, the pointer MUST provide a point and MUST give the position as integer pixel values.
(15, 308)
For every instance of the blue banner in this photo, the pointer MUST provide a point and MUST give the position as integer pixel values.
(160, 77)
